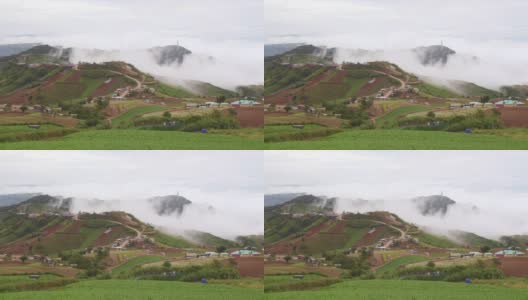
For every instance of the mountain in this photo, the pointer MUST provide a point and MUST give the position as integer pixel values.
(10, 199)
(207, 239)
(276, 199)
(432, 55)
(44, 204)
(167, 55)
(12, 49)
(168, 205)
(433, 205)
(277, 49)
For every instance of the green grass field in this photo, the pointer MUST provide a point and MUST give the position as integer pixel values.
(405, 290)
(391, 119)
(139, 140)
(401, 261)
(127, 118)
(139, 290)
(136, 261)
(14, 279)
(406, 140)
(285, 279)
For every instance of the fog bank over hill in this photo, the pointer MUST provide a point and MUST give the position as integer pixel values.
(230, 31)
(490, 193)
(128, 179)
(396, 26)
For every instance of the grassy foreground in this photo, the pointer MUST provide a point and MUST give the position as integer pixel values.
(139, 290)
(405, 290)
(406, 140)
(138, 140)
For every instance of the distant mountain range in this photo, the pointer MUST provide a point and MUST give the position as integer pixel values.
(12, 49)
(10, 199)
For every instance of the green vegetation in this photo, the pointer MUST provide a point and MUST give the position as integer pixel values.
(136, 261)
(140, 140)
(139, 290)
(172, 91)
(390, 120)
(436, 241)
(401, 261)
(171, 241)
(14, 133)
(281, 283)
(404, 290)
(406, 140)
(126, 120)
(436, 91)
(14, 76)
(280, 133)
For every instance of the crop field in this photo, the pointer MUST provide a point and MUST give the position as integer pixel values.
(391, 118)
(139, 290)
(9, 279)
(13, 133)
(136, 261)
(401, 261)
(299, 268)
(126, 119)
(407, 140)
(133, 139)
(405, 290)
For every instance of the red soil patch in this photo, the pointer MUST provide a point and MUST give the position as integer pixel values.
(315, 230)
(74, 228)
(21, 96)
(338, 77)
(285, 96)
(338, 228)
(514, 116)
(514, 266)
(370, 87)
(369, 238)
(51, 230)
(250, 116)
(74, 78)
(251, 266)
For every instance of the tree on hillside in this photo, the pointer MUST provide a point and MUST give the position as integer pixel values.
(220, 99)
(221, 249)
(167, 264)
(485, 99)
(287, 258)
(431, 115)
(485, 249)
(24, 108)
(23, 258)
(167, 115)
(288, 108)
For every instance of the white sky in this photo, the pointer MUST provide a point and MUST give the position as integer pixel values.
(464, 25)
(494, 181)
(231, 181)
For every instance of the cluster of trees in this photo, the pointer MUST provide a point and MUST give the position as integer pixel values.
(92, 266)
(213, 120)
(191, 273)
(357, 116)
(91, 115)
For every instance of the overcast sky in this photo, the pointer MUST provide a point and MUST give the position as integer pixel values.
(230, 181)
(493, 181)
(481, 27)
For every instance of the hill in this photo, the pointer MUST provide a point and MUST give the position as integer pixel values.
(276, 199)
(300, 226)
(167, 205)
(277, 49)
(12, 49)
(45, 225)
(433, 205)
(10, 199)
